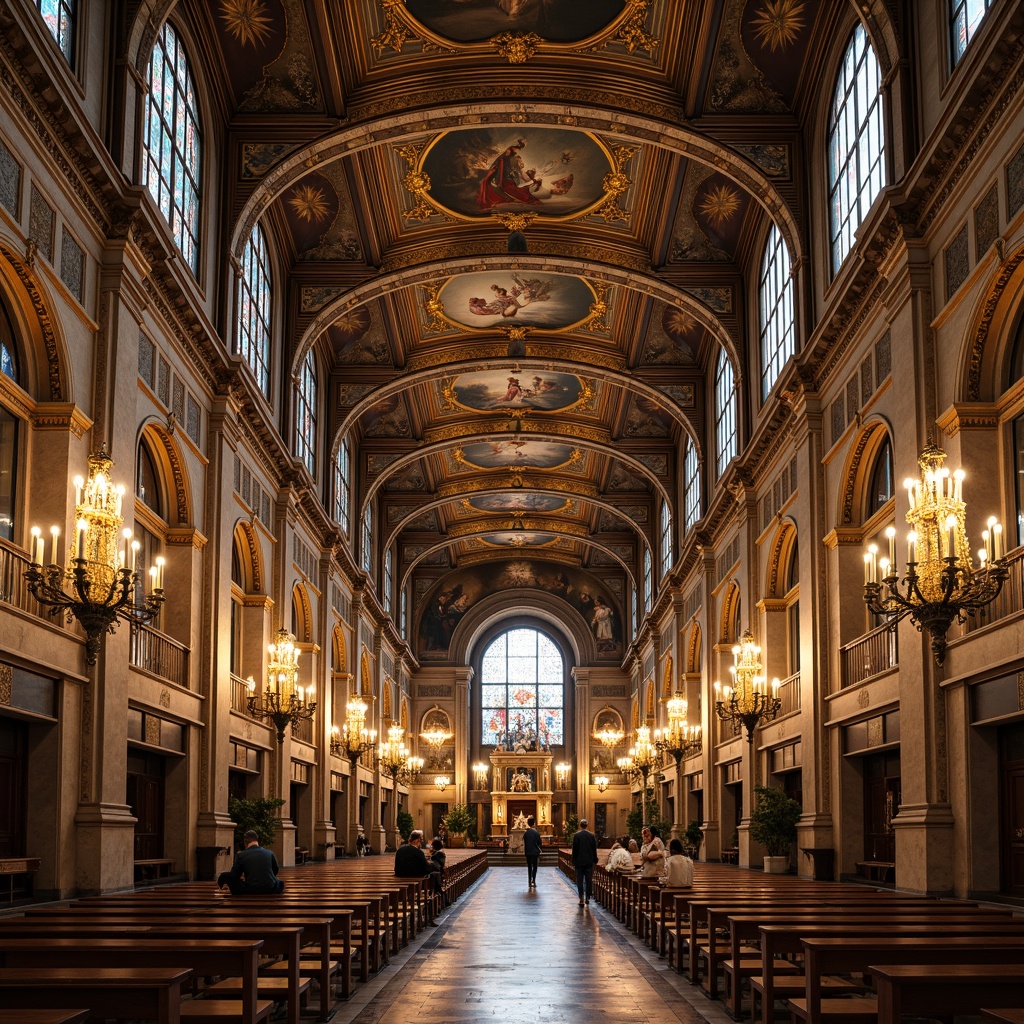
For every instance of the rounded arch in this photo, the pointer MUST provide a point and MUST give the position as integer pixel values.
(866, 447)
(435, 718)
(636, 715)
(728, 625)
(38, 335)
(668, 683)
(607, 717)
(172, 471)
(302, 616)
(404, 716)
(693, 650)
(365, 679)
(386, 702)
(544, 607)
(650, 704)
(250, 559)
(339, 649)
(782, 548)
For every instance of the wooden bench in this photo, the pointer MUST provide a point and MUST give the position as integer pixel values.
(302, 855)
(153, 868)
(945, 990)
(43, 1016)
(17, 873)
(877, 870)
(150, 993)
(1008, 1016)
(731, 856)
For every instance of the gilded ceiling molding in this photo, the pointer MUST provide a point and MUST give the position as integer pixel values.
(25, 274)
(177, 468)
(516, 47)
(543, 430)
(775, 556)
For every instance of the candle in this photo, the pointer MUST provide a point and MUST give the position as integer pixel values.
(891, 534)
(958, 476)
(873, 551)
(79, 482)
(867, 567)
(951, 528)
(152, 578)
(997, 540)
(912, 547)
(909, 485)
(250, 684)
(127, 534)
(982, 556)
(34, 546)
(135, 551)
(986, 536)
(160, 574)
(83, 528)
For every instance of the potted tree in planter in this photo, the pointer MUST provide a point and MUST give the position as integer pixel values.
(457, 823)
(693, 836)
(773, 825)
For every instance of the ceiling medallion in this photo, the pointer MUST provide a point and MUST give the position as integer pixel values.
(516, 47)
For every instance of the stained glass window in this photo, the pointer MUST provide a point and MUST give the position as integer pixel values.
(776, 309)
(170, 164)
(8, 366)
(965, 17)
(252, 338)
(59, 16)
(725, 413)
(523, 691)
(305, 414)
(856, 144)
(691, 485)
(342, 486)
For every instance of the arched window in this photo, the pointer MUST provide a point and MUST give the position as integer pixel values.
(522, 690)
(691, 485)
(856, 144)
(725, 413)
(150, 517)
(793, 608)
(666, 538)
(388, 580)
(59, 16)
(403, 613)
(776, 309)
(965, 16)
(252, 331)
(648, 581)
(634, 613)
(367, 540)
(880, 488)
(8, 466)
(305, 414)
(8, 362)
(147, 481)
(170, 164)
(343, 486)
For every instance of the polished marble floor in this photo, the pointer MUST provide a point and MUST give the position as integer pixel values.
(509, 954)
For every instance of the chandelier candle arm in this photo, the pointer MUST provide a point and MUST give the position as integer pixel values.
(748, 703)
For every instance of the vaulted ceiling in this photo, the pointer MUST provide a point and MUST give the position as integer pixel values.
(518, 233)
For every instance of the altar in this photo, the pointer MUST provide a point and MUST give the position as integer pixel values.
(520, 789)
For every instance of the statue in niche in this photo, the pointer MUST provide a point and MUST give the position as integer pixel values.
(521, 781)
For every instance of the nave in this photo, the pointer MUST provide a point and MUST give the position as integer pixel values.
(509, 954)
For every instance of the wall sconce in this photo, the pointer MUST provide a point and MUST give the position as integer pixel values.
(442, 782)
(563, 772)
(601, 781)
(480, 772)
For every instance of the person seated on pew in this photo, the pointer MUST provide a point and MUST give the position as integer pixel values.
(254, 871)
(678, 868)
(410, 860)
(437, 862)
(652, 853)
(619, 860)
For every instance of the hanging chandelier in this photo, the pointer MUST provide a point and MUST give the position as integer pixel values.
(642, 759)
(563, 772)
(749, 702)
(680, 739)
(608, 735)
(103, 585)
(395, 759)
(356, 739)
(941, 584)
(601, 781)
(442, 782)
(480, 773)
(282, 701)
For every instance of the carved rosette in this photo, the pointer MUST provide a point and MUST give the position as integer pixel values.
(516, 47)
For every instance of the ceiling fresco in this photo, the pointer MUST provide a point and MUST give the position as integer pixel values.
(518, 234)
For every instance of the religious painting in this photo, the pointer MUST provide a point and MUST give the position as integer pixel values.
(544, 455)
(520, 539)
(521, 780)
(525, 298)
(449, 599)
(504, 502)
(472, 21)
(551, 172)
(545, 391)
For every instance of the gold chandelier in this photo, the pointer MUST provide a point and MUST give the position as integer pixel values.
(680, 739)
(607, 735)
(749, 702)
(356, 739)
(283, 702)
(102, 586)
(941, 584)
(442, 782)
(641, 760)
(395, 759)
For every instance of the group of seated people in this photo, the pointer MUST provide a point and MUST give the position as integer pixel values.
(674, 870)
(412, 862)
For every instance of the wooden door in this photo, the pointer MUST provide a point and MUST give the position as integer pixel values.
(1013, 828)
(145, 796)
(881, 804)
(12, 787)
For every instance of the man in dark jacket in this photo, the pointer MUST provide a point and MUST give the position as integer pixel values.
(410, 860)
(531, 847)
(254, 871)
(584, 857)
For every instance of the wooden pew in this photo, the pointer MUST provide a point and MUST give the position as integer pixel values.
(149, 993)
(945, 990)
(856, 955)
(43, 1016)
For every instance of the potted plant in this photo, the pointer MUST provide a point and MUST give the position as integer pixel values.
(457, 823)
(773, 825)
(405, 824)
(260, 815)
(693, 836)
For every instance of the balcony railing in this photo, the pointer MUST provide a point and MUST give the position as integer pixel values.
(159, 654)
(14, 588)
(1010, 599)
(869, 655)
(303, 730)
(239, 695)
(789, 694)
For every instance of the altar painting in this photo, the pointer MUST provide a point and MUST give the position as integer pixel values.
(544, 391)
(520, 780)
(505, 502)
(526, 298)
(517, 453)
(552, 172)
(472, 21)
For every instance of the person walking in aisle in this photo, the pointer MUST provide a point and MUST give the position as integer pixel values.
(531, 847)
(584, 857)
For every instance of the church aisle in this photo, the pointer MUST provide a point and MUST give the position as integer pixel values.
(511, 955)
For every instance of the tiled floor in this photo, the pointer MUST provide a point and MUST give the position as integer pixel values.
(512, 955)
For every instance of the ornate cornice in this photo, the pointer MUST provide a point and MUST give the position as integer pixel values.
(60, 416)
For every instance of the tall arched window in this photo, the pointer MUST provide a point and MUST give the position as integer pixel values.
(252, 333)
(8, 436)
(170, 164)
(725, 413)
(59, 16)
(880, 488)
(522, 690)
(367, 539)
(8, 361)
(648, 581)
(343, 486)
(856, 144)
(388, 580)
(666, 538)
(691, 485)
(776, 310)
(305, 414)
(964, 17)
